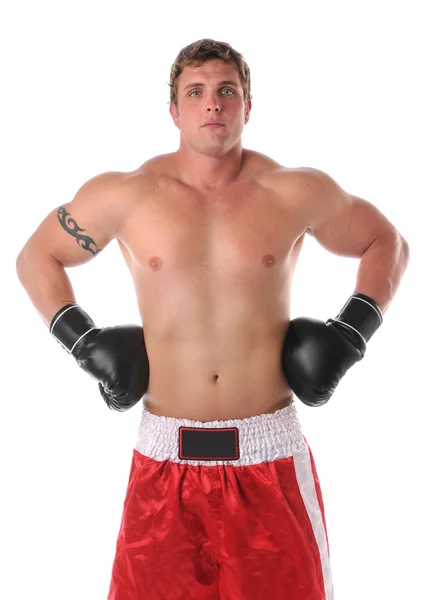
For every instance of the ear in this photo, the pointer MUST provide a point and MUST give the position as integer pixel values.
(173, 110)
(248, 110)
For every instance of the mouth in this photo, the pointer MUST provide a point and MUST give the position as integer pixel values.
(214, 125)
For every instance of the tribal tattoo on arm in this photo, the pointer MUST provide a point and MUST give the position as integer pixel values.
(69, 224)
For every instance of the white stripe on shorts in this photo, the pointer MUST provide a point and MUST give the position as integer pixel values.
(307, 488)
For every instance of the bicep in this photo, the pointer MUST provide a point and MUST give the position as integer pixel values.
(77, 231)
(343, 223)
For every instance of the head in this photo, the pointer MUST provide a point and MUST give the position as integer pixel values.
(209, 64)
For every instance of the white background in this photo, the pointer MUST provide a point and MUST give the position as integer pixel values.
(338, 86)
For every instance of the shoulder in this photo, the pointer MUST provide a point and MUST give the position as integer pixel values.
(301, 180)
(316, 194)
(317, 183)
(152, 174)
(156, 166)
(342, 222)
(125, 186)
(306, 181)
(258, 167)
(114, 194)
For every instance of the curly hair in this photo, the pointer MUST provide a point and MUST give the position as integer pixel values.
(200, 52)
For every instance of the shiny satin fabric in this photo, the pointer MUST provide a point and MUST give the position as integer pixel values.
(221, 532)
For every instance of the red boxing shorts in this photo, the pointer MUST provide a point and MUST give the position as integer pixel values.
(222, 510)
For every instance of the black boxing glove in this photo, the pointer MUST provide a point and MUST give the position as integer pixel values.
(316, 355)
(115, 356)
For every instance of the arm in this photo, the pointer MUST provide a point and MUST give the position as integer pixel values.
(70, 235)
(316, 355)
(351, 226)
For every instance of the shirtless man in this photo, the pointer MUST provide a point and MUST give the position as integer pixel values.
(223, 499)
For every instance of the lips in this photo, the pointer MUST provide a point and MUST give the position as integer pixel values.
(213, 123)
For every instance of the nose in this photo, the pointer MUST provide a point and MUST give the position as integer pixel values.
(212, 103)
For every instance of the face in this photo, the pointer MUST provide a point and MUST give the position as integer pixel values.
(203, 97)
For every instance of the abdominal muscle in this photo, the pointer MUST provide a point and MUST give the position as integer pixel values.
(214, 356)
(247, 380)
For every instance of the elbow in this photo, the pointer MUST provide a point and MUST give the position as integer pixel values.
(402, 254)
(405, 245)
(400, 245)
(19, 261)
(24, 261)
(405, 251)
(21, 267)
(22, 257)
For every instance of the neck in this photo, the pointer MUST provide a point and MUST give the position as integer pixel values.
(206, 172)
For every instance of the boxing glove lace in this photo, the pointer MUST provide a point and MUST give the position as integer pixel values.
(316, 355)
(115, 356)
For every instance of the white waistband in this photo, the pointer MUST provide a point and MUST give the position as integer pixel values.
(262, 438)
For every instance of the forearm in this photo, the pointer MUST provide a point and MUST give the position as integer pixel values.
(45, 281)
(381, 268)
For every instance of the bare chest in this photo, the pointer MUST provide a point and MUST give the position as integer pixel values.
(242, 233)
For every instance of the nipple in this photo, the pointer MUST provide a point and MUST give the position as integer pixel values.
(155, 263)
(269, 260)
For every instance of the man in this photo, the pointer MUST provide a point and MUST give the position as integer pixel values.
(223, 498)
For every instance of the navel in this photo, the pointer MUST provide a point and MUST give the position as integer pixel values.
(268, 260)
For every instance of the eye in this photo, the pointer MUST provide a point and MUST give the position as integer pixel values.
(227, 89)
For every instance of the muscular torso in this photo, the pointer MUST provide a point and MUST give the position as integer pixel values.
(212, 274)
